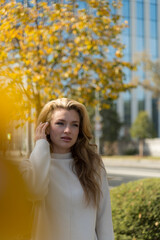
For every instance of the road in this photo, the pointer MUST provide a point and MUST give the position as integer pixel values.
(123, 174)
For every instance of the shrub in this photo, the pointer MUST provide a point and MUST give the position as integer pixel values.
(136, 210)
(131, 151)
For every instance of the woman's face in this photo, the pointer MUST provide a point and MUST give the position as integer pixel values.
(63, 130)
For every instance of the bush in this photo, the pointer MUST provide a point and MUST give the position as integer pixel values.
(136, 210)
(131, 151)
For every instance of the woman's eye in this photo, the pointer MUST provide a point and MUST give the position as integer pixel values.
(59, 123)
(75, 125)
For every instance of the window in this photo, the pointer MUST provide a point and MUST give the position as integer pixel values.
(153, 47)
(127, 57)
(153, 29)
(140, 28)
(127, 108)
(153, 1)
(153, 12)
(155, 113)
(127, 75)
(139, 44)
(126, 42)
(141, 99)
(125, 9)
(140, 73)
(140, 10)
(126, 30)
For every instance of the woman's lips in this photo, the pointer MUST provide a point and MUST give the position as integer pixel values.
(67, 139)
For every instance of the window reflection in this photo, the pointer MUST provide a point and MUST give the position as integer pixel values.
(140, 73)
(125, 9)
(140, 28)
(126, 31)
(153, 12)
(139, 44)
(153, 29)
(127, 108)
(155, 113)
(141, 99)
(127, 73)
(153, 1)
(153, 47)
(126, 42)
(126, 34)
(140, 10)
(127, 57)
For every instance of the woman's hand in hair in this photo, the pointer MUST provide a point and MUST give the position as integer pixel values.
(41, 131)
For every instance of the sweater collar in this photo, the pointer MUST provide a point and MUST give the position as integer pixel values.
(61, 155)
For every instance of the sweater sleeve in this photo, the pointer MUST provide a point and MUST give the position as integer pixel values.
(35, 170)
(104, 226)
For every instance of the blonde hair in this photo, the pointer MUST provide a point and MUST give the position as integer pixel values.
(87, 163)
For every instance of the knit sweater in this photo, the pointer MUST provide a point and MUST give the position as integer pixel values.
(50, 176)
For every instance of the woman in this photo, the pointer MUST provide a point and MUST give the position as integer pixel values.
(66, 176)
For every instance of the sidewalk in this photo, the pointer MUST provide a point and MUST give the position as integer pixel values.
(119, 161)
(131, 162)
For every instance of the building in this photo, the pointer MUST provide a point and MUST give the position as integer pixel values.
(142, 35)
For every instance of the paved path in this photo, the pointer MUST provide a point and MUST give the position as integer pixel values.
(123, 170)
(144, 163)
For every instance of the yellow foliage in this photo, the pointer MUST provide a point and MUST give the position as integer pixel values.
(43, 51)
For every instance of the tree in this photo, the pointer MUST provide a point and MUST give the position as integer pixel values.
(152, 79)
(111, 125)
(110, 128)
(54, 50)
(152, 70)
(142, 128)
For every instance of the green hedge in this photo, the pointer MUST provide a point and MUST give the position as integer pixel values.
(136, 210)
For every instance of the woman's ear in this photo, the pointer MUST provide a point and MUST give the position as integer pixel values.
(47, 131)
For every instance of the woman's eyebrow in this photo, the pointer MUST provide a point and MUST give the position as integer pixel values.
(60, 120)
(64, 120)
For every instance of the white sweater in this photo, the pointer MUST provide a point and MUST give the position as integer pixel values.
(51, 176)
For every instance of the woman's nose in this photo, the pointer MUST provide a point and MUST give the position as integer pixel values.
(67, 129)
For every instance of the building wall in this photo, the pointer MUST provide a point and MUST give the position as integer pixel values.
(151, 147)
(142, 35)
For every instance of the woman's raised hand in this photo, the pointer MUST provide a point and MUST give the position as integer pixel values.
(41, 131)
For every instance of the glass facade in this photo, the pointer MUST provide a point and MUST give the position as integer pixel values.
(153, 29)
(153, 20)
(145, 33)
(126, 32)
(126, 39)
(155, 113)
(127, 108)
(140, 41)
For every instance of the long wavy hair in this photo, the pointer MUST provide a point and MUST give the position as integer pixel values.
(87, 163)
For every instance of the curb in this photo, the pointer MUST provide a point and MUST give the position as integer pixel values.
(142, 163)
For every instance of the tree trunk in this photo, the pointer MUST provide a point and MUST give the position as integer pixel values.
(141, 146)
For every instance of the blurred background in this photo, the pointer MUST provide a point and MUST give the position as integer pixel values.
(113, 68)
